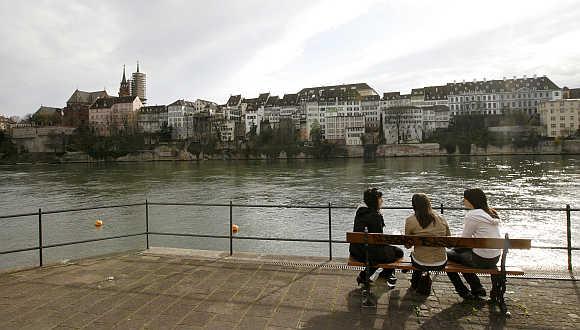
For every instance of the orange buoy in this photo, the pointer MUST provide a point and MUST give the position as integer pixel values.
(235, 229)
(98, 223)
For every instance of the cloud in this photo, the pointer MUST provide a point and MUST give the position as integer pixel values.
(216, 48)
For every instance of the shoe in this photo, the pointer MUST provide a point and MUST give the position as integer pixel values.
(392, 281)
(479, 292)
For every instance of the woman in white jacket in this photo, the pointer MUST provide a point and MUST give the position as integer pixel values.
(481, 221)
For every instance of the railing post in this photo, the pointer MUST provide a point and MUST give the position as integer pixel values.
(329, 231)
(40, 237)
(147, 223)
(569, 236)
(231, 230)
(441, 208)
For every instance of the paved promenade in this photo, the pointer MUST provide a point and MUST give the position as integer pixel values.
(212, 291)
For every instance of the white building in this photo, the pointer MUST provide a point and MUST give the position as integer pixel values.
(342, 100)
(560, 118)
(496, 97)
(253, 117)
(176, 113)
(345, 129)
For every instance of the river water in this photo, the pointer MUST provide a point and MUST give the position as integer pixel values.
(510, 181)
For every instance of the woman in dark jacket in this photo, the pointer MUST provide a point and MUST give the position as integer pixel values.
(368, 216)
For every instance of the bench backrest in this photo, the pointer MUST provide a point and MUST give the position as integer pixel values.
(437, 241)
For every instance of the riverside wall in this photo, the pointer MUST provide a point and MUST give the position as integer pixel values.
(174, 153)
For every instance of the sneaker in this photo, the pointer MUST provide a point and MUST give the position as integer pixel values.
(392, 281)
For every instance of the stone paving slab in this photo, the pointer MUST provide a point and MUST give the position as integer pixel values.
(214, 291)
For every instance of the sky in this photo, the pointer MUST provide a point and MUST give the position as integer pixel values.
(213, 49)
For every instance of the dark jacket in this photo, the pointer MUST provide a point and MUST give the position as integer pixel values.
(373, 220)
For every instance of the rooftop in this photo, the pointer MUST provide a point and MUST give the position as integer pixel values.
(171, 288)
(86, 97)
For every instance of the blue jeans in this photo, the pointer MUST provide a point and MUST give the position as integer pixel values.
(466, 257)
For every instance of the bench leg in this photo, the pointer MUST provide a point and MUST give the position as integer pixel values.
(497, 293)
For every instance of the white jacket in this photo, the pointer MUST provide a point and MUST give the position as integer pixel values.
(479, 224)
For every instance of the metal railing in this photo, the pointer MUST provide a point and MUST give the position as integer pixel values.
(147, 233)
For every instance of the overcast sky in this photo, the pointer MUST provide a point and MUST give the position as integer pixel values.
(212, 49)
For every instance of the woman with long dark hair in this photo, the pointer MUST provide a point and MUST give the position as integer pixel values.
(481, 221)
(425, 222)
(368, 215)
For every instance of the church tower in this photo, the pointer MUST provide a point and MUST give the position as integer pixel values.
(125, 88)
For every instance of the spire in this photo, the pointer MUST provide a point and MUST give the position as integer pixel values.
(137, 66)
(124, 80)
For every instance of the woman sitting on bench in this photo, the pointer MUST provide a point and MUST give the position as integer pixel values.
(369, 215)
(481, 221)
(425, 222)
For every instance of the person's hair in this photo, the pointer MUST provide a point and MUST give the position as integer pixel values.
(423, 211)
(478, 199)
(371, 198)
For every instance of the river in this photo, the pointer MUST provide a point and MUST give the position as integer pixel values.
(510, 181)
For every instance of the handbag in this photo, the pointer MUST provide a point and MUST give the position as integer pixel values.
(424, 284)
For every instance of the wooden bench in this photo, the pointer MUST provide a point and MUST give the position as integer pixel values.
(499, 273)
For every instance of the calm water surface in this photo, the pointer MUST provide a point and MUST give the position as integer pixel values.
(511, 181)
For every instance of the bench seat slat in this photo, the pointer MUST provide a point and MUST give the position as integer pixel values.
(437, 241)
(405, 264)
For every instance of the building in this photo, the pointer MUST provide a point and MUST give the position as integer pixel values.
(434, 118)
(234, 108)
(560, 118)
(114, 115)
(76, 112)
(150, 119)
(227, 130)
(207, 106)
(272, 111)
(5, 123)
(138, 84)
(496, 97)
(430, 96)
(571, 93)
(395, 99)
(346, 100)
(403, 124)
(47, 116)
(176, 113)
(201, 127)
(371, 106)
(253, 114)
(345, 129)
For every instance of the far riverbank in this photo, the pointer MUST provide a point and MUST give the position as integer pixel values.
(176, 153)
